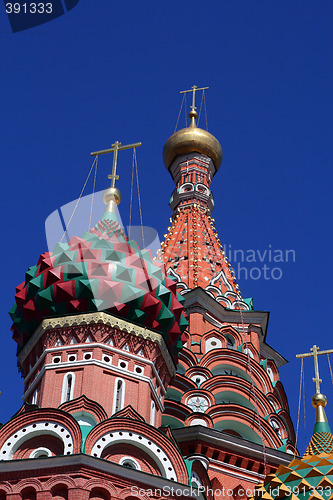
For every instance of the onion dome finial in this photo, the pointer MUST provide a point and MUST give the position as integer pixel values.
(192, 139)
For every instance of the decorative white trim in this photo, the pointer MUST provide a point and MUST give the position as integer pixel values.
(209, 344)
(65, 387)
(152, 413)
(139, 441)
(95, 318)
(130, 459)
(40, 452)
(122, 395)
(102, 365)
(103, 346)
(34, 430)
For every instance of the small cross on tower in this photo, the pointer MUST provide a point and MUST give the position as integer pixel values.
(115, 148)
(194, 89)
(315, 353)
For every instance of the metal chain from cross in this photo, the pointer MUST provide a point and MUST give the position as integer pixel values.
(315, 353)
(194, 89)
(115, 148)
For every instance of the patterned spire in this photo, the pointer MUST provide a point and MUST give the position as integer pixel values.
(192, 251)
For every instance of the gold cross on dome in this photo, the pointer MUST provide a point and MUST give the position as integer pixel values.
(115, 148)
(193, 89)
(315, 353)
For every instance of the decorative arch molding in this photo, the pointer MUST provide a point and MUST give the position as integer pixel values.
(107, 486)
(198, 372)
(274, 401)
(219, 357)
(26, 432)
(183, 383)
(127, 493)
(200, 470)
(226, 383)
(158, 446)
(186, 187)
(279, 392)
(60, 480)
(177, 410)
(28, 483)
(6, 487)
(248, 418)
(286, 419)
(40, 421)
(85, 404)
(200, 393)
(229, 330)
(187, 358)
(140, 441)
(195, 418)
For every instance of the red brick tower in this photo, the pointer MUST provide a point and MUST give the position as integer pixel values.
(226, 401)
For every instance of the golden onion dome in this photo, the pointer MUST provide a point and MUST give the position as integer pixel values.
(192, 139)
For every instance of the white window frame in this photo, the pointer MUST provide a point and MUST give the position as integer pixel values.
(122, 395)
(65, 387)
(152, 413)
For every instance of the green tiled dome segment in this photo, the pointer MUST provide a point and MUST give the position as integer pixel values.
(102, 271)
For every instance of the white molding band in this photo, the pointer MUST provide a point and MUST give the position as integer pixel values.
(95, 318)
(70, 365)
(26, 432)
(148, 446)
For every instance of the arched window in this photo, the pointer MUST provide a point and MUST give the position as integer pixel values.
(41, 453)
(99, 494)
(59, 493)
(68, 387)
(152, 413)
(119, 393)
(130, 463)
(34, 397)
(230, 342)
(28, 494)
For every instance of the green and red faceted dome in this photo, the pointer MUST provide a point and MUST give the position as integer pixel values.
(102, 271)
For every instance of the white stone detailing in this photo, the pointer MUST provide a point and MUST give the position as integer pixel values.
(40, 452)
(213, 343)
(68, 387)
(34, 430)
(95, 318)
(199, 421)
(139, 441)
(129, 462)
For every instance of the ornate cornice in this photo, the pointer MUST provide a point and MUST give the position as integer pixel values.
(94, 318)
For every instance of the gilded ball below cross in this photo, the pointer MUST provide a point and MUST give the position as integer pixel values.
(318, 400)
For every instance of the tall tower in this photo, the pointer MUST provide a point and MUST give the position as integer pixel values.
(140, 382)
(226, 400)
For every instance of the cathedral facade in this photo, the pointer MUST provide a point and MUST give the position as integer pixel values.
(145, 377)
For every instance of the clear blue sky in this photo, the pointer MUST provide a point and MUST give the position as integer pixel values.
(113, 70)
